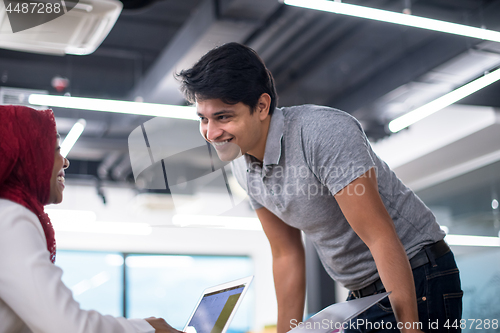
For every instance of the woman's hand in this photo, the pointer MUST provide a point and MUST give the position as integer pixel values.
(161, 326)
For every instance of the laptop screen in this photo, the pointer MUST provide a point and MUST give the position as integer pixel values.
(214, 310)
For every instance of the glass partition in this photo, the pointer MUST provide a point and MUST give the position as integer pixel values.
(169, 286)
(166, 286)
(468, 209)
(95, 279)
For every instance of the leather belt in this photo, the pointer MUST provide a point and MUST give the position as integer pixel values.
(428, 254)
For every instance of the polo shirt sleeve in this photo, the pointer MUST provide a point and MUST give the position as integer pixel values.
(254, 204)
(336, 148)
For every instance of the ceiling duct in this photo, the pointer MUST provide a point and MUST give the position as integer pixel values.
(18, 96)
(213, 23)
(79, 30)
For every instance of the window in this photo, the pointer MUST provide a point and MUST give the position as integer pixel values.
(468, 205)
(169, 286)
(95, 279)
(166, 286)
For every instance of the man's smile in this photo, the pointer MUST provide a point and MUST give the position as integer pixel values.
(220, 143)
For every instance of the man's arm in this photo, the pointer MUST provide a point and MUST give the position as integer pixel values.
(288, 268)
(363, 208)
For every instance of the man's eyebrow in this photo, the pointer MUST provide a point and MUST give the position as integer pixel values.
(218, 113)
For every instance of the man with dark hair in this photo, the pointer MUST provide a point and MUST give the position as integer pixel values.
(233, 73)
(310, 168)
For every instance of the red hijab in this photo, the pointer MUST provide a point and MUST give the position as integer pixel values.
(27, 146)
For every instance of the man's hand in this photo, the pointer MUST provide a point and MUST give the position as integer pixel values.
(161, 326)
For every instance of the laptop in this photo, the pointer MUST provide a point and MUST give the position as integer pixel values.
(331, 318)
(216, 307)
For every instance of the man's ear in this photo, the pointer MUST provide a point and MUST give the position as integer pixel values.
(263, 106)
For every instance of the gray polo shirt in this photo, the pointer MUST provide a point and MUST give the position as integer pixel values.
(311, 154)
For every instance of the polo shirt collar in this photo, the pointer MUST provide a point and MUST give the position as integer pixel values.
(272, 153)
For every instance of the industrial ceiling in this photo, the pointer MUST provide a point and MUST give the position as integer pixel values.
(373, 70)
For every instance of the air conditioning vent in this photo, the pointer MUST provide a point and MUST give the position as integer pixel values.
(80, 31)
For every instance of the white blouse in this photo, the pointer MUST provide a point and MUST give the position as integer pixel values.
(33, 297)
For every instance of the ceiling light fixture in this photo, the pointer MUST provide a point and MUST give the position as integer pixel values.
(494, 204)
(418, 22)
(163, 261)
(107, 105)
(100, 227)
(85, 221)
(222, 222)
(397, 18)
(467, 240)
(72, 137)
(426, 110)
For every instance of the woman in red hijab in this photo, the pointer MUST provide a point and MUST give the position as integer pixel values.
(32, 296)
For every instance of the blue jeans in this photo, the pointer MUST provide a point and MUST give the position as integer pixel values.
(439, 300)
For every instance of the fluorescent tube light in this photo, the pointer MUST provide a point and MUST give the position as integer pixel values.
(100, 227)
(417, 22)
(86, 221)
(107, 105)
(223, 222)
(171, 261)
(72, 137)
(426, 110)
(466, 240)
(114, 260)
(397, 18)
(63, 215)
